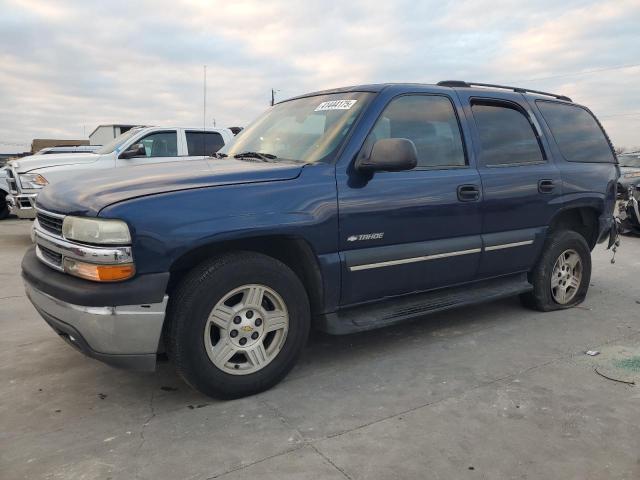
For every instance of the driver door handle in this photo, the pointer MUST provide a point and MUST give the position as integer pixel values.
(546, 186)
(468, 193)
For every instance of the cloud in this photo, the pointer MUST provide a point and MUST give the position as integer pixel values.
(68, 66)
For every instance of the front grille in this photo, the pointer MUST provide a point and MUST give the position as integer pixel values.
(50, 256)
(13, 185)
(50, 223)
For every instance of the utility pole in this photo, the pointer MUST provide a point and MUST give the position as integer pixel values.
(204, 99)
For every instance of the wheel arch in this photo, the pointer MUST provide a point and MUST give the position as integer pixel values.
(583, 219)
(293, 251)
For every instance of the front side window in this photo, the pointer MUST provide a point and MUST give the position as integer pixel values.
(307, 129)
(204, 143)
(430, 122)
(578, 135)
(160, 144)
(506, 136)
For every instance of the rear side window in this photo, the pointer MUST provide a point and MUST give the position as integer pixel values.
(506, 136)
(430, 122)
(576, 132)
(204, 143)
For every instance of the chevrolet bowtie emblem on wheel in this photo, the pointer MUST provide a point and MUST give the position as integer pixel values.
(247, 328)
(366, 236)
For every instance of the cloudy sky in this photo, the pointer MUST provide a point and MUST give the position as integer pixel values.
(67, 66)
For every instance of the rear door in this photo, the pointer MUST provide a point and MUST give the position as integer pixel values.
(410, 231)
(520, 182)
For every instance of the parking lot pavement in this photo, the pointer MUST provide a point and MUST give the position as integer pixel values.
(492, 391)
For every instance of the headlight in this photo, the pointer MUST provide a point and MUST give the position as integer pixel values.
(96, 230)
(632, 175)
(32, 180)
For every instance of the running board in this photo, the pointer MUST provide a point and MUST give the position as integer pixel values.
(396, 310)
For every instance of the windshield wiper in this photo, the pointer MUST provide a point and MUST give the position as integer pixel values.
(219, 155)
(265, 157)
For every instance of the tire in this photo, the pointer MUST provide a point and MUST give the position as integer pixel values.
(544, 297)
(4, 207)
(194, 336)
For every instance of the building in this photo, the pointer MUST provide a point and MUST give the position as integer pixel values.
(103, 134)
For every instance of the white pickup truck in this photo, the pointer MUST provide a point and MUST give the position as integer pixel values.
(140, 145)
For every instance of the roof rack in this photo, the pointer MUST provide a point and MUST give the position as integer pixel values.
(462, 84)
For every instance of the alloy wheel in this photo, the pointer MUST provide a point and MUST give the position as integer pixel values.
(246, 329)
(566, 277)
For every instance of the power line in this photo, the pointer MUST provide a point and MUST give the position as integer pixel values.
(630, 114)
(583, 72)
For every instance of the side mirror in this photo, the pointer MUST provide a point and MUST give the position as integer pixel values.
(135, 150)
(391, 155)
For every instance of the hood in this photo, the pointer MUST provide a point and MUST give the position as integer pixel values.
(90, 192)
(34, 162)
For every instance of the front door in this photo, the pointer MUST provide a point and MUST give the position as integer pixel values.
(410, 231)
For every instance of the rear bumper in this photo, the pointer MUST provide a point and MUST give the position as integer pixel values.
(22, 205)
(104, 325)
(607, 229)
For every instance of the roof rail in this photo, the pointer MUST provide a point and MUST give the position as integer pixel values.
(460, 83)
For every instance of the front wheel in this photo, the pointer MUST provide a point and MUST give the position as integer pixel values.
(237, 324)
(561, 277)
(4, 207)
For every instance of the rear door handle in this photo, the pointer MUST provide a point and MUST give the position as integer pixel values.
(546, 186)
(468, 193)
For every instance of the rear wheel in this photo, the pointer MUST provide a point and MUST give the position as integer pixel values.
(561, 277)
(237, 324)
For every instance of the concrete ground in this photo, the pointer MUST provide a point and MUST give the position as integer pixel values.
(493, 391)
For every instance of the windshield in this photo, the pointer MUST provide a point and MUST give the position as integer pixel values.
(307, 130)
(629, 161)
(116, 142)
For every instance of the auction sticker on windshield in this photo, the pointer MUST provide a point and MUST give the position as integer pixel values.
(335, 105)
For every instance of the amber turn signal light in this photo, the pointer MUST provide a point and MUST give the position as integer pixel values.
(99, 273)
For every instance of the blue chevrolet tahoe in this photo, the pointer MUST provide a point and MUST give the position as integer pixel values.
(346, 210)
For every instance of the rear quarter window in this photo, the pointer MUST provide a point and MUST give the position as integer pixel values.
(577, 133)
(204, 144)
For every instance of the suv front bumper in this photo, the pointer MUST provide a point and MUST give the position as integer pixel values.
(22, 205)
(119, 333)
